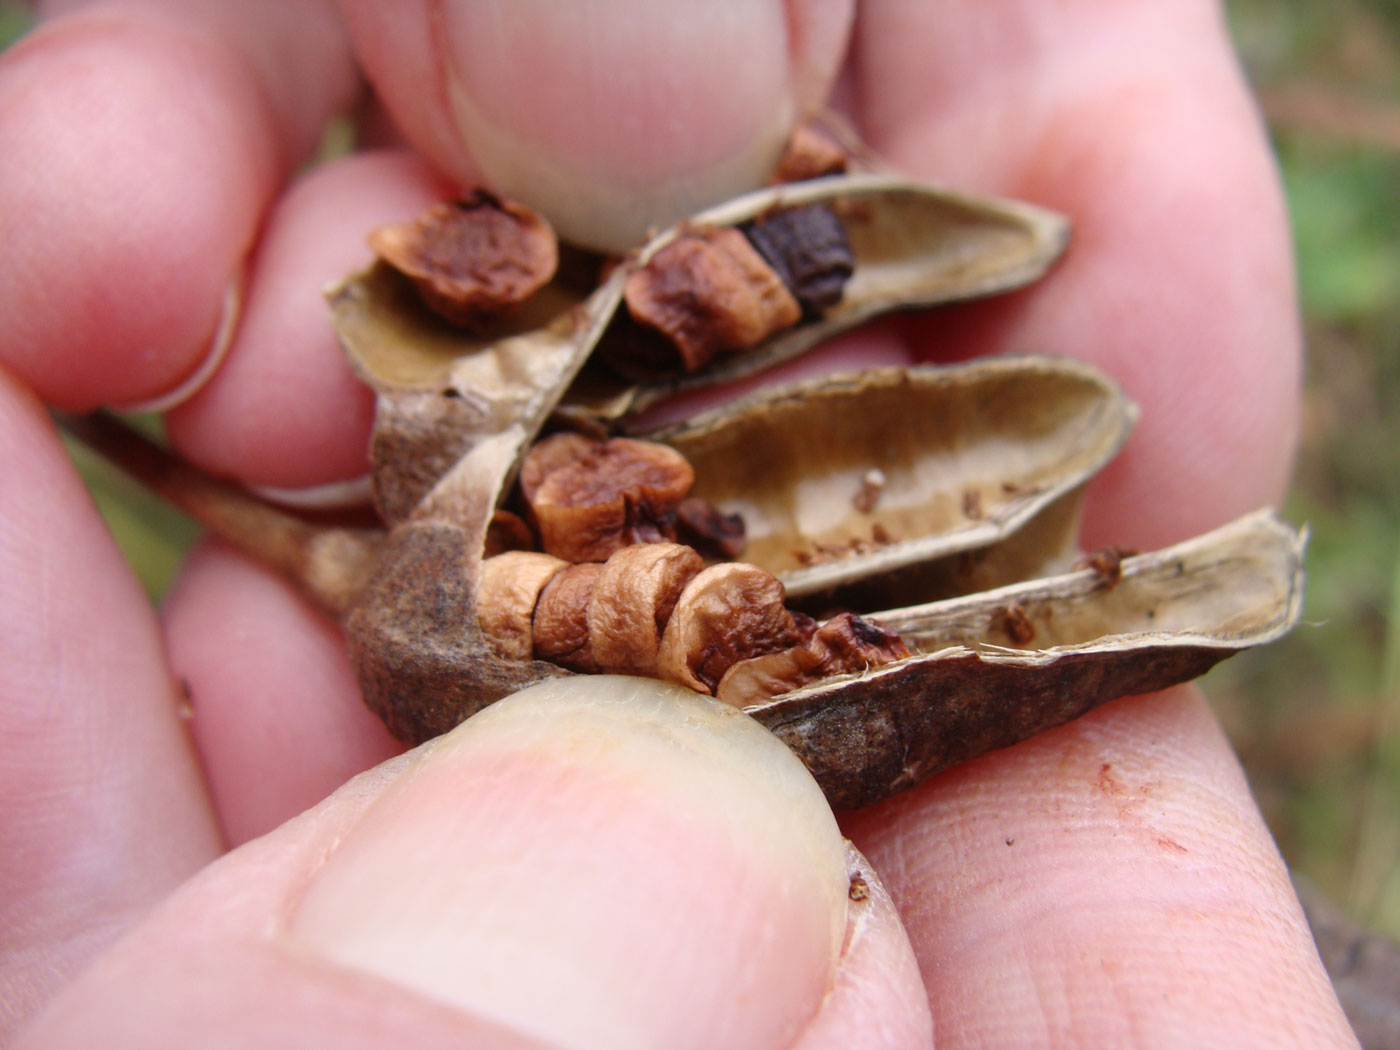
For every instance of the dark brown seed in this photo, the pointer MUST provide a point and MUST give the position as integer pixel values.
(590, 498)
(810, 154)
(729, 612)
(845, 644)
(808, 248)
(1017, 625)
(710, 293)
(561, 618)
(702, 525)
(1107, 562)
(472, 259)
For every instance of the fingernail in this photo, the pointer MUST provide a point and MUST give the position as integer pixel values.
(615, 121)
(599, 862)
(225, 327)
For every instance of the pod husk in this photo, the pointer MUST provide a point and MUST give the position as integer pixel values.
(441, 390)
(1171, 616)
(969, 456)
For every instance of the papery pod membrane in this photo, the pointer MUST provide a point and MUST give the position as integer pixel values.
(441, 390)
(968, 456)
(1170, 617)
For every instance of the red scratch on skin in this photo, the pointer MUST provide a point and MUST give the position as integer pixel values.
(1171, 844)
(1107, 784)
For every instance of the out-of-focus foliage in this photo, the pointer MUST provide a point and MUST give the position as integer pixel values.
(1317, 718)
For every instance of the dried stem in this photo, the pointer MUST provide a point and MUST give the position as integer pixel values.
(328, 564)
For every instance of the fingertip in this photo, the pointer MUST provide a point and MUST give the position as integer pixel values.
(600, 862)
(285, 409)
(610, 121)
(130, 215)
(878, 996)
(1104, 878)
(276, 713)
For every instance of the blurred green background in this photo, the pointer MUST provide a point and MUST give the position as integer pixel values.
(1317, 717)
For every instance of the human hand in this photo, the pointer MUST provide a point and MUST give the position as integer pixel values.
(1107, 882)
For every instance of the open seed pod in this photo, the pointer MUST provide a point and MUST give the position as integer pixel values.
(441, 389)
(921, 499)
(983, 671)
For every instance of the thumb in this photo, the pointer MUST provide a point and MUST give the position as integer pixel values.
(610, 116)
(595, 862)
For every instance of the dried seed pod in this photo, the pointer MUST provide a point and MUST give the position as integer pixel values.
(983, 466)
(590, 498)
(472, 259)
(506, 597)
(709, 292)
(727, 613)
(1174, 614)
(632, 600)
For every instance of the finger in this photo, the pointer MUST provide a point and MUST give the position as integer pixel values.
(609, 118)
(275, 710)
(1134, 120)
(104, 809)
(153, 136)
(597, 863)
(285, 410)
(1105, 879)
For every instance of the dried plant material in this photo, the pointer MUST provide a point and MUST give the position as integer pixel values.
(507, 532)
(472, 259)
(935, 433)
(1018, 628)
(457, 413)
(811, 152)
(872, 483)
(1174, 614)
(506, 597)
(700, 524)
(845, 644)
(589, 498)
(633, 599)
(913, 245)
(727, 613)
(1107, 562)
(709, 292)
(807, 247)
(561, 618)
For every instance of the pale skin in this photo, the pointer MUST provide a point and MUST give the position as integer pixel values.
(561, 881)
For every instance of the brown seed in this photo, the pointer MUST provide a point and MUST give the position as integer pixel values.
(507, 532)
(561, 618)
(872, 484)
(702, 525)
(632, 600)
(810, 251)
(810, 154)
(710, 292)
(727, 613)
(1107, 562)
(506, 597)
(845, 644)
(1017, 625)
(472, 259)
(590, 498)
